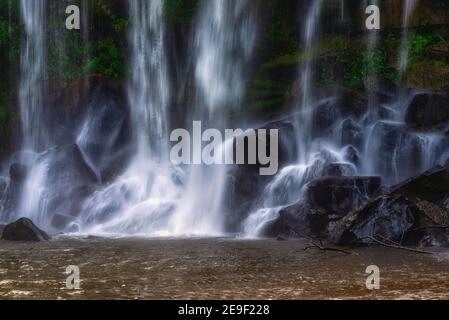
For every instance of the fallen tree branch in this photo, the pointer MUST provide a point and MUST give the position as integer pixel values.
(393, 245)
(430, 227)
(321, 247)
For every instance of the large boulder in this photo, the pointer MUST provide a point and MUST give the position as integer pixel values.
(245, 184)
(397, 153)
(93, 111)
(326, 201)
(17, 173)
(24, 230)
(351, 133)
(67, 166)
(411, 213)
(381, 89)
(428, 110)
(338, 195)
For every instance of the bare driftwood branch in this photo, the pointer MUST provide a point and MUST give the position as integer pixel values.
(393, 245)
(430, 227)
(321, 247)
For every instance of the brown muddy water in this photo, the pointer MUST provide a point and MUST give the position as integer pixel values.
(214, 269)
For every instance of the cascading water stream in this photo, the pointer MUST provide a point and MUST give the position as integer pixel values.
(310, 33)
(409, 7)
(288, 184)
(142, 199)
(33, 74)
(32, 90)
(152, 197)
(223, 45)
(382, 141)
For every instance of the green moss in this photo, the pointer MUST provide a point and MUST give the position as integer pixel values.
(360, 65)
(419, 44)
(180, 11)
(106, 60)
(120, 24)
(324, 47)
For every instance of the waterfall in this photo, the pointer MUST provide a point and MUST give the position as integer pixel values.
(32, 90)
(409, 7)
(290, 181)
(310, 33)
(223, 46)
(148, 86)
(33, 74)
(142, 199)
(148, 195)
(224, 42)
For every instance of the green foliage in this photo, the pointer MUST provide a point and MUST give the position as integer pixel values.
(419, 43)
(180, 11)
(120, 24)
(106, 59)
(360, 65)
(326, 75)
(327, 46)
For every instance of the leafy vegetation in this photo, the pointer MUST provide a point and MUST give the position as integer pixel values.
(180, 11)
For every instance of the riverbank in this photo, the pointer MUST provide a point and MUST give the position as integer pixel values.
(215, 269)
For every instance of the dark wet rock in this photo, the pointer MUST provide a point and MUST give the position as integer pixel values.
(352, 104)
(351, 133)
(293, 222)
(2, 227)
(68, 181)
(410, 213)
(347, 104)
(428, 110)
(94, 111)
(338, 170)
(327, 200)
(17, 173)
(24, 230)
(324, 115)
(395, 152)
(338, 195)
(244, 187)
(67, 205)
(287, 149)
(383, 90)
(245, 184)
(67, 166)
(352, 156)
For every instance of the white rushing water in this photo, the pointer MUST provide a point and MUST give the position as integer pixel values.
(224, 41)
(409, 7)
(152, 197)
(381, 141)
(33, 73)
(33, 68)
(291, 180)
(310, 36)
(142, 199)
